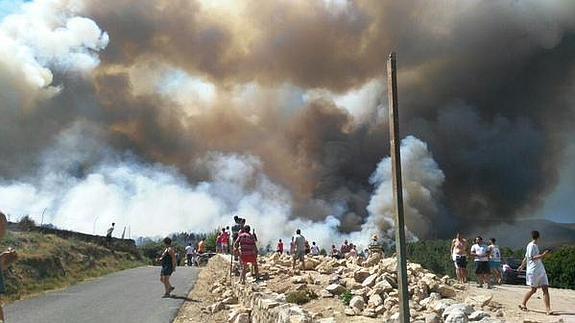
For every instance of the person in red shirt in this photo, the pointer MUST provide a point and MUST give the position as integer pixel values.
(280, 248)
(248, 252)
(224, 240)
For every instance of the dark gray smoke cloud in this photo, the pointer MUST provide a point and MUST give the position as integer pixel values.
(485, 84)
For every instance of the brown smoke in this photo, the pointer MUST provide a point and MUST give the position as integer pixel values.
(482, 82)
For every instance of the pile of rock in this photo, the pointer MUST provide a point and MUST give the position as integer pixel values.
(371, 292)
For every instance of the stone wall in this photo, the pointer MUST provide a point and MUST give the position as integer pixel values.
(260, 305)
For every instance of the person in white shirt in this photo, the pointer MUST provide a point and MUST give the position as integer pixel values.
(314, 249)
(536, 276)
(299, 249)
(495, 261)
(480, 253)
(189, 254)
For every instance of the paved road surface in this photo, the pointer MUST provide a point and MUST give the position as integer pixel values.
(132, 295)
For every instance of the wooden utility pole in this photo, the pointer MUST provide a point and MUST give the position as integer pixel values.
(397, 189)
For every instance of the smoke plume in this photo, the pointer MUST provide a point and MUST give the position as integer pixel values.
(275, 110)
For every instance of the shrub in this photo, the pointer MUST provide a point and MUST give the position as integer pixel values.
(26, 223)
(560, 267)
(346, 297)
(323, 252)
(301, 296)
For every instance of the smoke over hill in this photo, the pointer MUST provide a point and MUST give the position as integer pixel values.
(175, 115)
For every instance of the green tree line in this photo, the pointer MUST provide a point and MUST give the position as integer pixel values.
(435, 255)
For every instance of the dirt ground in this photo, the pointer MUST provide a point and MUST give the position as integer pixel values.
(510, 296)
(194, 308)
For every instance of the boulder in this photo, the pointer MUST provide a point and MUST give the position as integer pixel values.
(335, 289)
(438, 306)
(456, 317)
(349, 312)
(242, 318)
(432, 318)
(465, 308)
(446, 291)
(479, 300)
(360, 275)
(478, 315)
(375, 301)
(369, 281)
(325, 294)
(368, 312)
(357, 304)
(298, 280)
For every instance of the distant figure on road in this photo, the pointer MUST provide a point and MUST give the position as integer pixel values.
(109, 234)
(168, 262)
(299, 252)
(536, 276)
(246, 243)
(480, 253)
(6, 258)
(459, 255)
(495, 261)
(189, 253)
(280, 247)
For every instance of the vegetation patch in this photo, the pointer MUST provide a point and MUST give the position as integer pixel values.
(346, 297)
(301, 297)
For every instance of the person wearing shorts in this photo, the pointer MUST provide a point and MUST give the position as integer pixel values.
(248, 252)
(168, 262)
(459, 256)
(299, 249)
(536, 276)
(495, 261)
(480, 252)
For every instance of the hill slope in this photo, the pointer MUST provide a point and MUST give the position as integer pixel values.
(47, 261)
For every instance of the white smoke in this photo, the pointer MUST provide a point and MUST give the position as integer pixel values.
(86, 186)
(422, 181)
(45, 35)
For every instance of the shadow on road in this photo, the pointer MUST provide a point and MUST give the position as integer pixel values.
(187, 299)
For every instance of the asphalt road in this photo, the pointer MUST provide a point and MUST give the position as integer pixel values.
(133, 295)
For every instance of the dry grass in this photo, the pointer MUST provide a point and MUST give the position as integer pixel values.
(48, 262)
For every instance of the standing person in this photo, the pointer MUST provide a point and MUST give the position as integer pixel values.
(299, 252)
(224, 241)
(314, 249)
(201, 247)
(109, 233)
(6, 258)
(335, 252)
(375, 251)
(168, 262)
(292, 246)
(248, 252)
(280, 247)
(189, 253)
(480, 253)
(459, 256)
(345, 248)
(495, 261)
(536, 276)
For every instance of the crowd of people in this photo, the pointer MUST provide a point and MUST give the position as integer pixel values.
(241, 243)
(488, 266)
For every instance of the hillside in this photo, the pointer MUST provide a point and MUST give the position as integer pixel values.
(47, 261)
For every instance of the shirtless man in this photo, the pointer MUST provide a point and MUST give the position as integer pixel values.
(459, 256)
